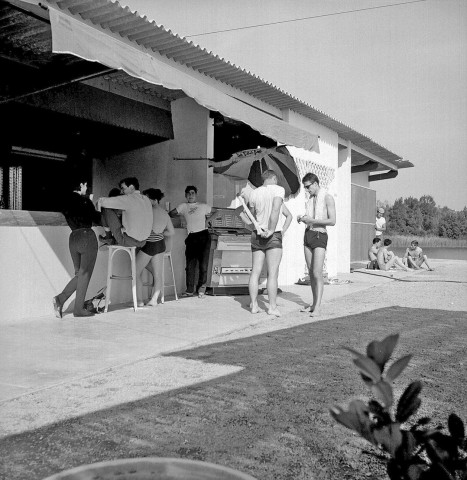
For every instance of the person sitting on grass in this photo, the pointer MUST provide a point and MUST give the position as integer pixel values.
(387, 259)
(372, 254)
(415, 258)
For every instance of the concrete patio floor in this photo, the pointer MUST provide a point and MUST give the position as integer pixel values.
(39, 353)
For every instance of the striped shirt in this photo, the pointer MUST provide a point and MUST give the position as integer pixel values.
(155, 237)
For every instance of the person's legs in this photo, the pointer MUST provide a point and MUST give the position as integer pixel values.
(411, 263)
(316, 277)
(253, 284)
(142, 259)
(111, 220)
(393, 261)
(113, 223)
(88, 250)
(203, 260)
(273, 260)
(191, 262)
(157, 264)
(424, 260)
(70, 288)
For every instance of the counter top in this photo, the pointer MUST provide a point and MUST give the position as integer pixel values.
(26, 218)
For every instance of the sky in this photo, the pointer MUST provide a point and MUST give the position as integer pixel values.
(394, 71)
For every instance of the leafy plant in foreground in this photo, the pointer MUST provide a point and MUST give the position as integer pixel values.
(415, 452)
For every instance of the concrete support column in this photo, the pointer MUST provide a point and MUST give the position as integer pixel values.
(343, 207)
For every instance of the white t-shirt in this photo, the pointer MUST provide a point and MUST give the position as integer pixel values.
(195, 215)
(380, 222)
(261, 199)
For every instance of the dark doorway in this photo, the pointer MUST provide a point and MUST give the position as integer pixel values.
(231, 136)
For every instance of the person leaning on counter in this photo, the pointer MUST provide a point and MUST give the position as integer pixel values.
(198, 242)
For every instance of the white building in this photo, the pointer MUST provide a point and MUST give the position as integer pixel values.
(144, 102)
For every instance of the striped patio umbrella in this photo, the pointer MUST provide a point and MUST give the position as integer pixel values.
(250, 164)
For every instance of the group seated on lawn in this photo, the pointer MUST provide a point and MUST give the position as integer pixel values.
(380, 258)
(383, 259)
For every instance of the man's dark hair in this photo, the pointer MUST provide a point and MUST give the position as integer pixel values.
(189, 188)
(154, 194)
(414, 242)
(129, 181)
(267, 174)
(115, 192)
(376, 240)
(310, 177)
(387, 242)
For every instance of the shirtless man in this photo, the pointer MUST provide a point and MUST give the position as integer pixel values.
(267, 206)
(320, 212)
(373, 253)
(415, 257)
(387, 259)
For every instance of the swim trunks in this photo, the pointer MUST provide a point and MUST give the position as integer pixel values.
(260, 243)
(315, 239)
(153, 248)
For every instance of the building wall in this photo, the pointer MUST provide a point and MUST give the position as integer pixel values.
(361, 178)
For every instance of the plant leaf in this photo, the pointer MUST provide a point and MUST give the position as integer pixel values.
(354, 352)
(380, 352)
(390, 437)
(456, 427)
(383, 392)
(368, 367)
(397, 368)
(355, 418)
(409, 402)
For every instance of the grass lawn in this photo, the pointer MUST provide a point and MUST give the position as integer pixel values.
(271, 419)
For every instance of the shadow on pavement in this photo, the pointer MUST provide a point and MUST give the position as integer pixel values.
(270, 419)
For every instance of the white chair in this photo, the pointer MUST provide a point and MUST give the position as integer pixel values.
(113, 249)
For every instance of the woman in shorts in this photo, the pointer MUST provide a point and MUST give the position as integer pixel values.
(151, 256)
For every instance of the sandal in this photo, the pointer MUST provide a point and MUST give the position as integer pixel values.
(187, 294)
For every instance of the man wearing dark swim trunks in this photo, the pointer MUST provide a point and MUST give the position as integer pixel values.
(268, 207)
(320, 212)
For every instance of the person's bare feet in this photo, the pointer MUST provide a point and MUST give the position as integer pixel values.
(151, 303)
(254, 308)
(274, 311)
(306, 308)
(315, 312)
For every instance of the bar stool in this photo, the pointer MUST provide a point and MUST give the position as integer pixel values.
(113, 249)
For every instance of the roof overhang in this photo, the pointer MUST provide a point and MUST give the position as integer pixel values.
(97, 44)
(124, 24)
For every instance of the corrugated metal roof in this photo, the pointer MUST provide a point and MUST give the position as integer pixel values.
(120, 19)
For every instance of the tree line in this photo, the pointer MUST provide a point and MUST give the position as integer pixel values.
(422, 217)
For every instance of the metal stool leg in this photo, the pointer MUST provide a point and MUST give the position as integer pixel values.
(173, 276)
(133, 277)
(109, 281)
(163, 279)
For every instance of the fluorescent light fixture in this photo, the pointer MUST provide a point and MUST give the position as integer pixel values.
(38, 153)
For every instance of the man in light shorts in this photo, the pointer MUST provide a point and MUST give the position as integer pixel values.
(268, 207)
(380, 224)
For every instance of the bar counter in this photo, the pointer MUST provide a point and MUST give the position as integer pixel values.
(36, 264)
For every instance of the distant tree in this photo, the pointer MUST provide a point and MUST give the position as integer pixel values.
(430, 214)
(449, 226)
(412, 216)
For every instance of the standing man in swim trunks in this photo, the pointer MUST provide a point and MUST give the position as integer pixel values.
(320, 213)
(267, 206)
